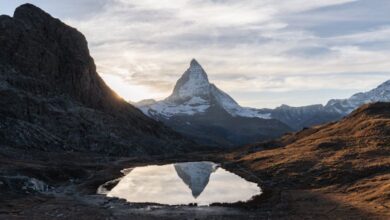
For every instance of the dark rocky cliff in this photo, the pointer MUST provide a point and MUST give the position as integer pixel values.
(51, 97)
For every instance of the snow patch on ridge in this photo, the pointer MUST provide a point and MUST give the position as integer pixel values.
(346, 106)
(233, 107)
(168, 109)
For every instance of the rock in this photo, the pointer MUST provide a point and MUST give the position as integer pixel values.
(52, 98)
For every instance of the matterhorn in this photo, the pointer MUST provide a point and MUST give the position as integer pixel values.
(200, 110)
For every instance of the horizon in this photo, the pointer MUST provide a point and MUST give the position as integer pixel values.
(272, 54)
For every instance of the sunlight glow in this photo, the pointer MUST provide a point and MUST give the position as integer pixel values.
(126, 90)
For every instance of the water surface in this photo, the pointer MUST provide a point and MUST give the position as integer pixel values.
(202, 183)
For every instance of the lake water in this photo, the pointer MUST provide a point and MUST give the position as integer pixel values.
(202, 183)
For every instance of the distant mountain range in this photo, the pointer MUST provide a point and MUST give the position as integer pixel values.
(306, 116)
(198, 109)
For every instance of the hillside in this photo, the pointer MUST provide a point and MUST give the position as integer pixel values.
(346, 161)
(52, 98)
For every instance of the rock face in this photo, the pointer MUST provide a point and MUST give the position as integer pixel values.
(51, 97)
(194, 94)
(201, 111)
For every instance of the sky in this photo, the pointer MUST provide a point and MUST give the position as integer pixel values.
(263, 53)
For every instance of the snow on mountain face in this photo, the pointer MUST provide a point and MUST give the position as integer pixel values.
(167, 108)
(194, 94)
(346, 106)
(232, 107)
(193, 83)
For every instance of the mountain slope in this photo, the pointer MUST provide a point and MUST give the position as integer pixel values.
(193, 94)
(195, 103)
(306, 116)
(347, 161)
(346, 106)
(51, 97)
(198, 109)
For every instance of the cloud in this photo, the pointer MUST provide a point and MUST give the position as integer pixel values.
(352, 17)
(75, 9)
(267, 47)
(261, 46)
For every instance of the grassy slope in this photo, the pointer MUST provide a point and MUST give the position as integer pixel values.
(347, 162)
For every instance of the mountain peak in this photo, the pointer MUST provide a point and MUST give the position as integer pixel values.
(29, 7)
(47, 63)
(31, 13)
(194, 63)
(196, 69)
(45, 48)
(194, 82)
(193, 93)
(197, 72)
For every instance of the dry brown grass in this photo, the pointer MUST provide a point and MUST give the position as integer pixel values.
(347, 161)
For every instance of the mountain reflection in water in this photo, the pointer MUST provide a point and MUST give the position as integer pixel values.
(183, 183)
(195, 175)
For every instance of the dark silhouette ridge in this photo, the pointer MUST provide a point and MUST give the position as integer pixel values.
(52, 98)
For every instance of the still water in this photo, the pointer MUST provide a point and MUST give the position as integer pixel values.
(202, 183)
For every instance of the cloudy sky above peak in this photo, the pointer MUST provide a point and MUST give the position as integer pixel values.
(264, 53)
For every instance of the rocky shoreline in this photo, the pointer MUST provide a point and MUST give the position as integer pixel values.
(74, 185)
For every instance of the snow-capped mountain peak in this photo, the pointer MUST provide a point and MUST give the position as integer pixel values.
(194, 63)
(193, 94)
(194, 82)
